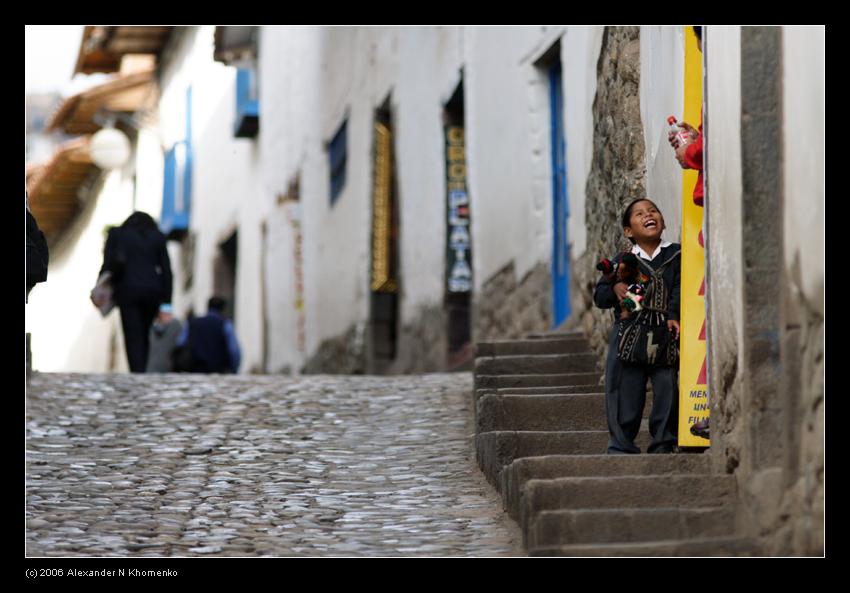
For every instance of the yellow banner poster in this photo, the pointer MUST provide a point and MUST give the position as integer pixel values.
(693, 386)
(382, 280)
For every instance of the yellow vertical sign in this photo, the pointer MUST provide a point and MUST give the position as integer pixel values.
(693, 387)
(382, 280)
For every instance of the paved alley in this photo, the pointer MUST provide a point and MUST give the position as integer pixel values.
(192, 465)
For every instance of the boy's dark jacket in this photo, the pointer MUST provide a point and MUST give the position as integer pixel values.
(209, 345)
(605, 298)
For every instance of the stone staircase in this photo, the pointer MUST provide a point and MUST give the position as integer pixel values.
(541, 437)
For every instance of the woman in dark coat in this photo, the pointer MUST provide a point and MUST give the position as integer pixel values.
(136, 255)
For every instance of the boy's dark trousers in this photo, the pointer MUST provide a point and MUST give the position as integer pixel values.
(625, 397)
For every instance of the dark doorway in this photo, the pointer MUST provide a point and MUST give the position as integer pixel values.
(458, 231)
(385, 240)
(224, 274)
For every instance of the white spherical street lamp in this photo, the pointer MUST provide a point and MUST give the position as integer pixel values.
(109, 148)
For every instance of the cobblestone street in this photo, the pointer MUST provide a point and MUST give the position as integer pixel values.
(190, 465)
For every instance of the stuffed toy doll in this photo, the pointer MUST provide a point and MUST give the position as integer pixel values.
(628, 273)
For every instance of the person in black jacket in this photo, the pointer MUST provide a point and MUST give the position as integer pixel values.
(625, 381)
(38, 255)
(136, 255)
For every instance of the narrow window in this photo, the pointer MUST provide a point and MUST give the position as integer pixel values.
(338, 153)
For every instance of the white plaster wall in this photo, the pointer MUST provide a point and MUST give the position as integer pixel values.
(662, 72)
(289, 73)
(68, 333)
(510, 144)
(724, 289)
(80, 340)
(503, 146)
(281, 291)
(337, 237)
(804, 130)
(225, 188)
(431, 59)
(174, 80)
(384, 56)
(804, 126)
(579, 56)
(149, 173)
(315, 76)
(312, 77)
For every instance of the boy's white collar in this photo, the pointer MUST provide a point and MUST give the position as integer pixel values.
(638, 251)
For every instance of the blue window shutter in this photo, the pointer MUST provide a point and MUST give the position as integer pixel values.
(177, 182)
(247, 104)
(167, 218)
(177, 190)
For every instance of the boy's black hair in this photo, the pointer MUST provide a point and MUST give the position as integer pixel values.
(217, 303)
(698, 32)
(627, 213)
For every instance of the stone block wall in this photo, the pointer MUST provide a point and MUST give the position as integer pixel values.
(341, 355)
(617, 174)
(423, 343)
(767, 369)
(421, 347)
(509, 308)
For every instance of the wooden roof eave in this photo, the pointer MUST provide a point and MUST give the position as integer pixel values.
(104, 54)
(54, 187)
(114, 95)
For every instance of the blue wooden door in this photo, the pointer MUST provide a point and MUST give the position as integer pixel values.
(560, 211)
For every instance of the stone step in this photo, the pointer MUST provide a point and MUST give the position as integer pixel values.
(520, 391)
(567, 345)
(522, 381)
(515, 408)
(495, 450)
(539, 364)
(518, 473)
(717, 546)
(607, 526)
(556, 390)
(555, 334)
(541, 412)
(628, 492)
